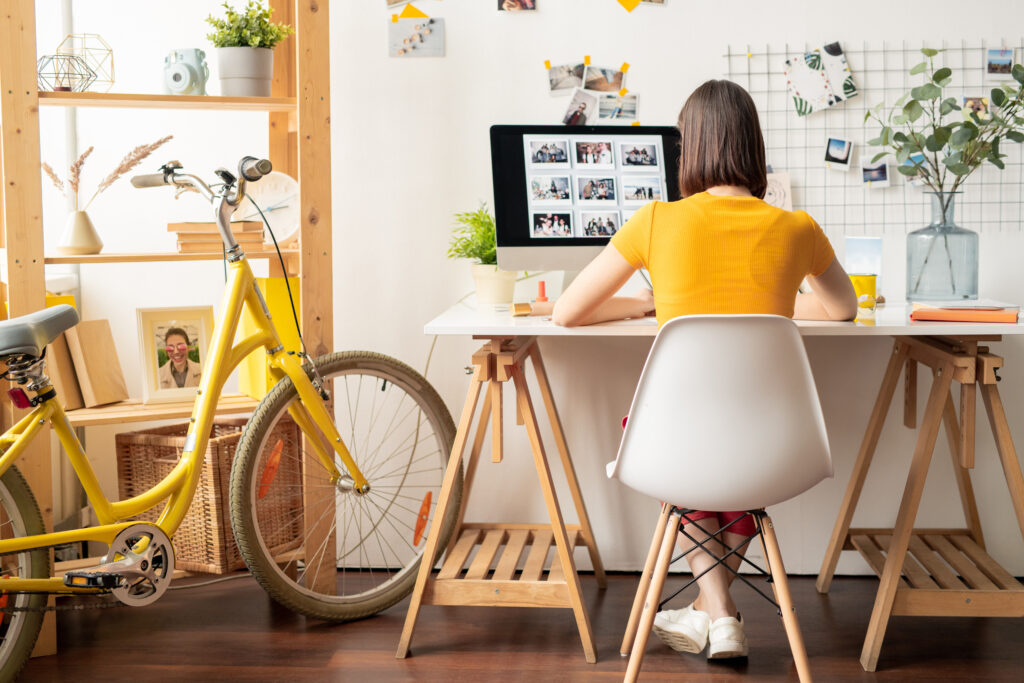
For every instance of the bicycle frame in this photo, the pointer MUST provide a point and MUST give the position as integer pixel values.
(178, 487)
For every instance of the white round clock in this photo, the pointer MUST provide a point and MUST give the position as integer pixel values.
(277, 194)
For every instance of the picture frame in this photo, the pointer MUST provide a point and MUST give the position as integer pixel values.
(998, 64)
(159, 329)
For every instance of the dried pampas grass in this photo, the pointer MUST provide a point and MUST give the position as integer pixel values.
(130, 161)
(57, 182)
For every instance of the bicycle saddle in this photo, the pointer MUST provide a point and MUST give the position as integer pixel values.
(31, 333)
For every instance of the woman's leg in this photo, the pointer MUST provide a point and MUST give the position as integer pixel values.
(738, 535)
(714, 595)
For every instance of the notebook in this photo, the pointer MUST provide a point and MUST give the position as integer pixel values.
(975, 311)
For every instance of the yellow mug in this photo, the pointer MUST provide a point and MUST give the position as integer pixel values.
(864, 287)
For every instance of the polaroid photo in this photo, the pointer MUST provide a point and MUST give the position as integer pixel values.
(517, 5)
(641, 189)
(617, 109)
(975, 105)
(999, 64)
(548, 154)
(838, 154)
(915, 160)
(603, 79)
(416, 37)
(596, 189)
(551, 189)
(637, 155)
(173, 343)
(779, 192)
(564, 78)
(582, 107)
(593, 154)
(552, 224)
(875, 175)
(660, 3)
(394, 3)
(599, 223)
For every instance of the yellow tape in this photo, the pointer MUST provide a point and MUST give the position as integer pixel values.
(625, 67)
(394, 18)
(636, 123)
(586, 60)
(630, 5)
(547, 64)
(622, 93)
(411, 12)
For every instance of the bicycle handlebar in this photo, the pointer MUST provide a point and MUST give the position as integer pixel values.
(149, 180)
(252, 169)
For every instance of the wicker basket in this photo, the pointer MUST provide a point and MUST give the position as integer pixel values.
(204, 542)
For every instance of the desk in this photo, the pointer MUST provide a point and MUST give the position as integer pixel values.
(913, 564)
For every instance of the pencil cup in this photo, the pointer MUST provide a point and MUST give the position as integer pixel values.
(864, 287)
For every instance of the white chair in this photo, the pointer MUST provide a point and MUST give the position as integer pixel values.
(725, 417)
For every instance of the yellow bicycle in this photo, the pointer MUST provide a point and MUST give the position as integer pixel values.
(333, 485)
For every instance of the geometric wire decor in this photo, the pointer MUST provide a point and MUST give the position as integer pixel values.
(63, 73)
(839, 200)
(96, 53)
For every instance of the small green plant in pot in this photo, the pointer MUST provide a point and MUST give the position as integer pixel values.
(473, 238)
(940, 143)
(245, 43)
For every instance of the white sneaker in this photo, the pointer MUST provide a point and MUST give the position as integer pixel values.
(726, 638)
(683, 630)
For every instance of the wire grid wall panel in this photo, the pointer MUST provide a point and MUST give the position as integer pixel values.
(839, 200)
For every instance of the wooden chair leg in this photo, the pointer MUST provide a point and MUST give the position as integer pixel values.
(645, 582)
(668, 542)
(780, 585)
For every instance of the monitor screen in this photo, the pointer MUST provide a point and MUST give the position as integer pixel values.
(573, 187)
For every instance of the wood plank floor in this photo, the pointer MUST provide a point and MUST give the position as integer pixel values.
(233, 632)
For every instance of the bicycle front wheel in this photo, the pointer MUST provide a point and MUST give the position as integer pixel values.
(356, 554)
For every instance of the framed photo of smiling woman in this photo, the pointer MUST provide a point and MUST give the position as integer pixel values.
(173, 344)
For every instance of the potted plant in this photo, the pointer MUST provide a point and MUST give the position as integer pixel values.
(939, 143)
(473, 238)
(245, 49)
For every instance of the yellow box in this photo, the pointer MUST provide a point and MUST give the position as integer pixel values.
(253, 377)
(51, 300)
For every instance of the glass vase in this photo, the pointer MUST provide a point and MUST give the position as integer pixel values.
(942, 258)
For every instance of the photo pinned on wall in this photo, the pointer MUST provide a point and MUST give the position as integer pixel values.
(603, 79)
(517, 5)
(598, 189)
(599, 223)
(660, 3)
(977, 106)
(635, 155)
(551, 189)
(173, 343)
(582, 107)
(838, 154)
(564, 78)
(617, 108)
(417, 37)
(549, 153)
(875, 175)
(779, 192)
(819, 79)
(907, 169)
(594, 154)
(552, 224)
(641, 189)
(999, 64)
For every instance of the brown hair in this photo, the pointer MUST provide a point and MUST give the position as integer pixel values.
(721, 140)
(177, 331)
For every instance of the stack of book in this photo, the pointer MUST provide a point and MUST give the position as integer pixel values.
(202, 238)
(976, 311)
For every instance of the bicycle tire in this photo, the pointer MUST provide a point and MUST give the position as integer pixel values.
(20, 630)
(370, 574)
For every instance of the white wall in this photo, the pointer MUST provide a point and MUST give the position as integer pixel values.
(410, 147)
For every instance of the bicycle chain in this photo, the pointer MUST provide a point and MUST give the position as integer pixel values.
(80, 604)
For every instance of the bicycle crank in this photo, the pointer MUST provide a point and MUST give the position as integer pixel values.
(137, 569)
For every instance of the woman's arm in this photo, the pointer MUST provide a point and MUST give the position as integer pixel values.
(832, 297)
(589, 298)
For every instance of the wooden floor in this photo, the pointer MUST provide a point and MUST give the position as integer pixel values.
(233, 632)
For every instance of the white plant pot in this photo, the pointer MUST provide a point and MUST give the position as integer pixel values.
(245, 71)
(79, 236)
(493, 286)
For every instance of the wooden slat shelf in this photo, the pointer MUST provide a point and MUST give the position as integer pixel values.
(158, 257)
(137, 411)
(147, 101)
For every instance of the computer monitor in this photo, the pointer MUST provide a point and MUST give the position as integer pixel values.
(560, 192)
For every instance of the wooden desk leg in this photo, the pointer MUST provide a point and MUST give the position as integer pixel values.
(860, 469)
(443, 500)
(567, 465)
(963, 475)
(1007, 453)
(471, 465)
(555, 514)
(905, 519)
(645, 582)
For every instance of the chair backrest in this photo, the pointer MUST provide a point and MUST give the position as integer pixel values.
(725, 417)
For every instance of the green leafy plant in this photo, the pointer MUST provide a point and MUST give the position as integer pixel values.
(473, 236)
(251, 28)
(937, 144)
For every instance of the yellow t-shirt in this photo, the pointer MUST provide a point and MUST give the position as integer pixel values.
(712, 254)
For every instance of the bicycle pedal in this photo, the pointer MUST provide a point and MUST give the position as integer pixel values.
(108, 575)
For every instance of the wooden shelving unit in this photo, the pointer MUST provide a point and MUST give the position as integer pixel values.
(137, 411)
(298, 118)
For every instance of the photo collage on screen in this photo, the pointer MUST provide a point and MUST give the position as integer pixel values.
(588, 185)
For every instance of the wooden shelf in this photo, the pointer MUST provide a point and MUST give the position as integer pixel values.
(158, 257)
(146, 101)
(137, 411)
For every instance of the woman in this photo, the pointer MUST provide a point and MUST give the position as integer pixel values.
(720, 249)
(178, 371)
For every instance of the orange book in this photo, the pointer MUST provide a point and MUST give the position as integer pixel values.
(968, 312)
(211, 228)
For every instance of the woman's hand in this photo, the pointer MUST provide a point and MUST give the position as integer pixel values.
(646, 299)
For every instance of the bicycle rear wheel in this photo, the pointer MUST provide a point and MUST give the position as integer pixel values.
(20, 517)
(360, 554)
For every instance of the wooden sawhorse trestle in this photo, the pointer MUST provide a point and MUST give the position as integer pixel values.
(933, 572)
(494, 577)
